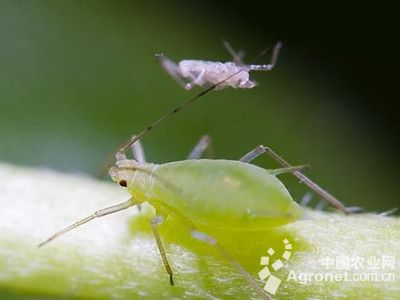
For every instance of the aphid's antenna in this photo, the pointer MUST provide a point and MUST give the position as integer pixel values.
(114, 208)
(134, 138)
(100, 213)
(165, 117)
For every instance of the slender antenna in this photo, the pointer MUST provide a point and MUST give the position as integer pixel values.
(115, 208)
(165, 117)
(181, 107)
(100, 213)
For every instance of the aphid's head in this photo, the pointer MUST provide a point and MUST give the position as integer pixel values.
(124, 171)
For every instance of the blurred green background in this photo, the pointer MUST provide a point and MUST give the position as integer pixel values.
(78, 77)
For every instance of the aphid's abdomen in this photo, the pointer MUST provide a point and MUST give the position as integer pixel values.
(226, 194)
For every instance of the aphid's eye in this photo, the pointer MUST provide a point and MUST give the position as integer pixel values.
(123, 183)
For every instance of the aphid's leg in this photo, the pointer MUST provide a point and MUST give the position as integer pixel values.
(390, 212)
(237, 56)
(320, 206)
(253, 154)
(158, 220)
(213, 242)
(188, 225)
(202, 145)
(355, 209)
(138, 152)
(172, 69)
(195, 81)
(271, 65)
(306, 199)
(287, 169)
(100, 213)
(303, 178)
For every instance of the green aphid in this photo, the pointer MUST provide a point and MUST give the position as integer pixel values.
(226, 194)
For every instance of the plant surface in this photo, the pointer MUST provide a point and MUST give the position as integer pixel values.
(116, 256)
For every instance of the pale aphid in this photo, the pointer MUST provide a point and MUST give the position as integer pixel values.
(233, 195)
(189, 73)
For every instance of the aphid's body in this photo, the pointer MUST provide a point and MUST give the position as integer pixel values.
(207, 73)
(219, 193)
(190, 73)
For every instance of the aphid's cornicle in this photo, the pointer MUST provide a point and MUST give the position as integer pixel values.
(270, 204)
